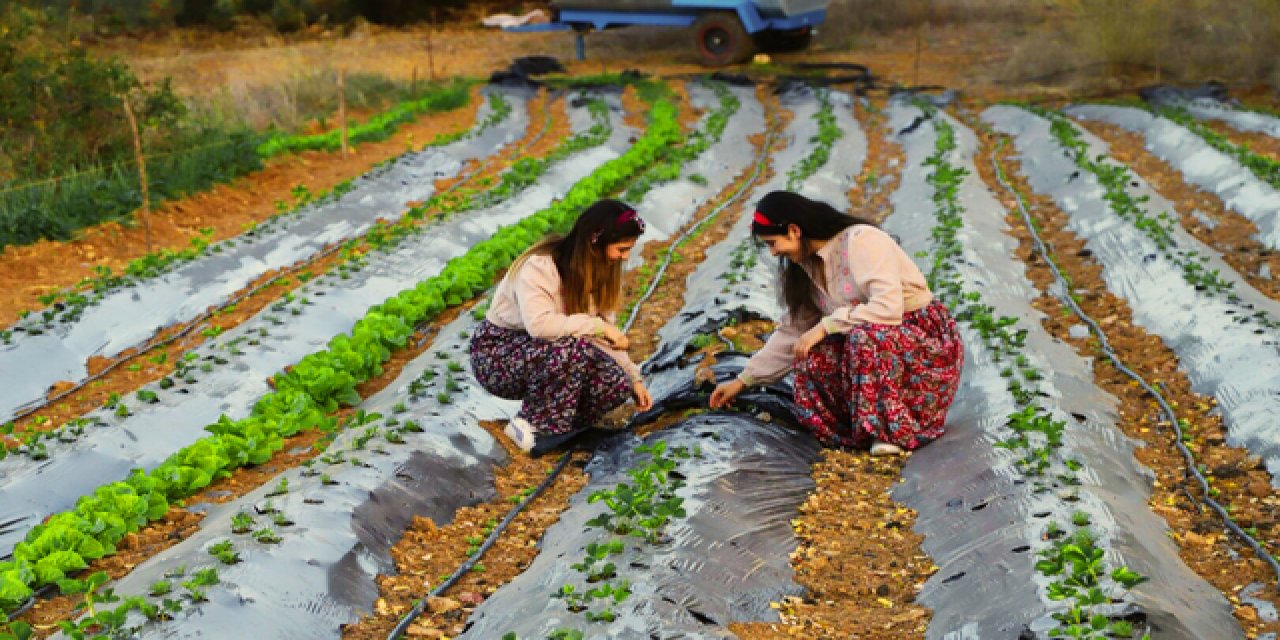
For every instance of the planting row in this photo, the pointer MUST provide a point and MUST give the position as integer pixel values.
(1033, 485)
(55, 344)
(1223, 330)
(593, 126)
(364, 478)
(1209, 108)
(225, 376)
(322, 380)
(1215, 170)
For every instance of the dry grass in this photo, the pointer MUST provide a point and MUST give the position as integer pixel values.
(1113, 44)
(849, 20)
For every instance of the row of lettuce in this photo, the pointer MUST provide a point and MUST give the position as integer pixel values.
(161, 604)
(383, 237)
(57, 208)
(307, 393)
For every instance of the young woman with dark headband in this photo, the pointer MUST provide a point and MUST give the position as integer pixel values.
(549, 337)
(877, 360)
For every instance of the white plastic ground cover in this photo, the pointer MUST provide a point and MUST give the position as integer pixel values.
(668, 207)
(126, 318)
(329, 580)
(1201, 165)
(1238, 364)
(982, 522)
(723, 563)
(34, 489)
(755, 292)
(347, 513)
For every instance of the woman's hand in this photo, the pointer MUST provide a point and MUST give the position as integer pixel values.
(807, 341)
(725, 393)
(644, 401)
(615, 337)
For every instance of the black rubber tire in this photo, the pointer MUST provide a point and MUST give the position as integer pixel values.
(770, 41)
(719, 39)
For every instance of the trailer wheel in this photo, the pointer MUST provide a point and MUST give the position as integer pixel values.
(773, 41)
(720, 39)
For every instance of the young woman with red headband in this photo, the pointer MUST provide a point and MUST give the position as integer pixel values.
(877, 360)
(549, 337)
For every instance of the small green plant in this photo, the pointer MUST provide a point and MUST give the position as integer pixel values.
(267, 535)
(225, 552)
(241, 522)
(280, 489)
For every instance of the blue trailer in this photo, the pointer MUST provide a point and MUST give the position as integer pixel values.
(724, 31)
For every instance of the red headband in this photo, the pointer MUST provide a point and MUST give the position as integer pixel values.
(629, 215)
(760, 219)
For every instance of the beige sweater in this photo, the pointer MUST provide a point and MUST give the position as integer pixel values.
(529, 299)
(866, 278)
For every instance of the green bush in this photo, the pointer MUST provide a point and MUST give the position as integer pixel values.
(61, 108)
(57, 209)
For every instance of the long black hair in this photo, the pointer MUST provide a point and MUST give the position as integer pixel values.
(817, 220)
(588, 281)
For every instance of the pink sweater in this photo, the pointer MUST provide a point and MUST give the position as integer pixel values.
(868, 279)
(529, 299)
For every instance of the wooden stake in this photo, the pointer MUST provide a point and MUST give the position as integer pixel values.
(342, 108)
(142, 169)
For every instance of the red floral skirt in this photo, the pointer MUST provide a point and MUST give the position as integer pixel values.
(882, 382)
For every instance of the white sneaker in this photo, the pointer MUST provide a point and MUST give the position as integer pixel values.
(882, 448)
(521, 433)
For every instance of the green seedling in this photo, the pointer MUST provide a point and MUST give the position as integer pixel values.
(241, 522)
(225, 552)
(267, 535)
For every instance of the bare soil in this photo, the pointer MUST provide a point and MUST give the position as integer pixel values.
(883, 168)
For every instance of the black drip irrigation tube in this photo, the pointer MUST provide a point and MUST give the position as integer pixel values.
(1168, 411)
(497, 532)
(475, 557)
(288, 271)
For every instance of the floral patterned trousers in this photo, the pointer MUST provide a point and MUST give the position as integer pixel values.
(565, 384)
(882, 382)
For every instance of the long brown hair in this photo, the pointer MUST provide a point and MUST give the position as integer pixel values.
(817, 220)
(589, 282)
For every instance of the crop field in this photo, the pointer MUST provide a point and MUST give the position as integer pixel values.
(275, 432)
